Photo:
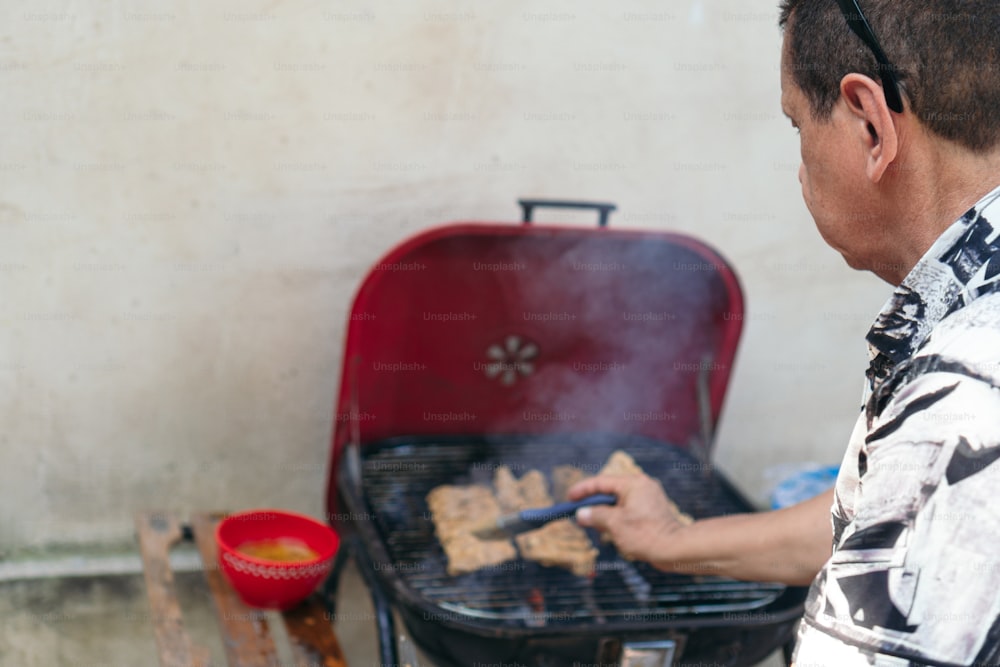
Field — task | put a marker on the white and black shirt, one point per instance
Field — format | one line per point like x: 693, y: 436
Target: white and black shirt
x: 915, y: 574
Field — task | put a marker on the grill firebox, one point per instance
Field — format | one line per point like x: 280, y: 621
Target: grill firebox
x: 479, y: 616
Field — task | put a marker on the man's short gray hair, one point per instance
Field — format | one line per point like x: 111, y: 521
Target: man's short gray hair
x: 946, y: 55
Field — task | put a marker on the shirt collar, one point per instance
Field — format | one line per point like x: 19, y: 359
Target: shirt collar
x: 953, y: 272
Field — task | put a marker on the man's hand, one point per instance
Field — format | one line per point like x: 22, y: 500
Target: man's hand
x: 641, y: 519
x: 788, y: 545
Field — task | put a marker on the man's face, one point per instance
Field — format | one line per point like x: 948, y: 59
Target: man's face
x: 832, y: 175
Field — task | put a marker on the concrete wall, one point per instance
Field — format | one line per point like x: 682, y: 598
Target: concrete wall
x: 190, y: 192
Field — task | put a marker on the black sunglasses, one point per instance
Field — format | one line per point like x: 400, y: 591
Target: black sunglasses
x: 887, y: 71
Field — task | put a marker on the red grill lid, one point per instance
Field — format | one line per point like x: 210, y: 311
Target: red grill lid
x: 480, y: 328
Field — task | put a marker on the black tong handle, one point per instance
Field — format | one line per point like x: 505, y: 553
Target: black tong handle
x: 544, y: 515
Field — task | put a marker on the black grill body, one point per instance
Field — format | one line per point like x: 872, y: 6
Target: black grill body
x: 526, y: 614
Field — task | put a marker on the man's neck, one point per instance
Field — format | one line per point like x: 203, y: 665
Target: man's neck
x: 930, y: 198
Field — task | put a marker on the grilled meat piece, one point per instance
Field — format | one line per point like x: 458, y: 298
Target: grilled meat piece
x: 560, y: 544
x: 456, y: 512
x: 620, y: 463
x: 467, y: 553
x: 563, y: 477
x: 527, y: 493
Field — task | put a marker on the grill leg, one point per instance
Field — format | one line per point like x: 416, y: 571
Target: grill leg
x: 385, y: 624
x: 788, y: 650
x: 332, y: 582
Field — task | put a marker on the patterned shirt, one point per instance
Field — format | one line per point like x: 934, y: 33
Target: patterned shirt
x: 914, y: 578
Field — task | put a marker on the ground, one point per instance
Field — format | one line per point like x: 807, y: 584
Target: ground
x: 104, y: 621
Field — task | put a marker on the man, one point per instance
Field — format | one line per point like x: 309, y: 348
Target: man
x: 899, y: 121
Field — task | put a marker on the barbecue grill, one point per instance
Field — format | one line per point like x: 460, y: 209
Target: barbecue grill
x: 476, y: 345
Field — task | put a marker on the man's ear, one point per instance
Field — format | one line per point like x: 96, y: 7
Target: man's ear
x: 875, y: 124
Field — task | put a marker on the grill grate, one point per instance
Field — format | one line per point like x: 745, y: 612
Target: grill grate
x: 397, y: 475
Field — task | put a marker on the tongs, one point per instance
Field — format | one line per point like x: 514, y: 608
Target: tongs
x: 516, y: 523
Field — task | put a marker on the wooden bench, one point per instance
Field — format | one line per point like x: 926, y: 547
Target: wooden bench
x: 245, y: 633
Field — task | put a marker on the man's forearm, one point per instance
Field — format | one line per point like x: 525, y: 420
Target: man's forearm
x: 788, y: 545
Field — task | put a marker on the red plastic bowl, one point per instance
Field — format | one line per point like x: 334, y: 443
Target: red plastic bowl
x: 272, y: 584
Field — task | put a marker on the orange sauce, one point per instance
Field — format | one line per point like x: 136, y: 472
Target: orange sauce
x: 282, y: 549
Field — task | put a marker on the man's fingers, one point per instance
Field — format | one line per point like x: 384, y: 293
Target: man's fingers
x: 613, y: 484
x: 597, y: 516
x: 582, y: 489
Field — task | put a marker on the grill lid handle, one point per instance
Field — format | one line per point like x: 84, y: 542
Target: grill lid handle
x: 529, y: 205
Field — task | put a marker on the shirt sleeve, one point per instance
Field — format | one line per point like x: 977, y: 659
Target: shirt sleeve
x: 915, y: 574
